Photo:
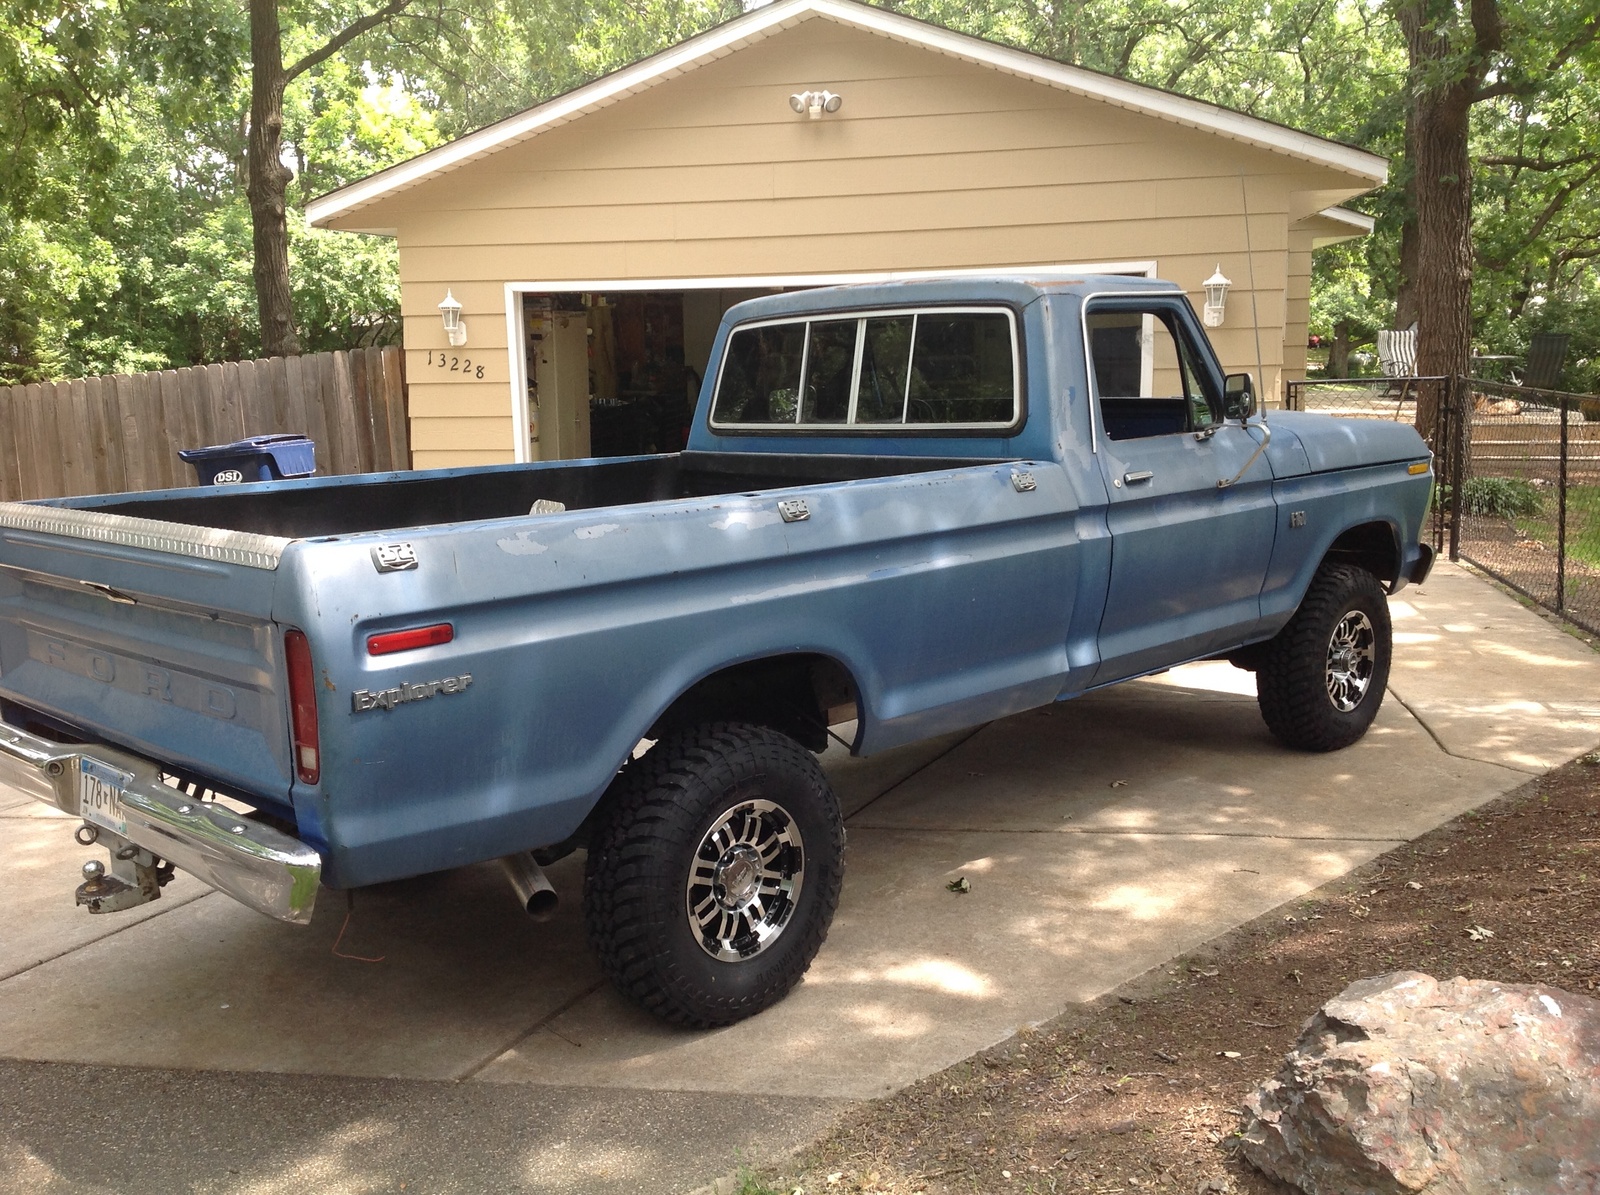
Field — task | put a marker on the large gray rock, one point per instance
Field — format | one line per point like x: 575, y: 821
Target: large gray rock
x: 1403, y: 1084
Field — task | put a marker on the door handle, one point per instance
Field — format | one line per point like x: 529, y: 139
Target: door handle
x: 1137, y: 476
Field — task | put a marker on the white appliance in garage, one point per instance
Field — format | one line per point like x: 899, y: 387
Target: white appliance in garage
x: 558, y: 383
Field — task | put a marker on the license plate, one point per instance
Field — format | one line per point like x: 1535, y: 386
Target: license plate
x: 100, y: 791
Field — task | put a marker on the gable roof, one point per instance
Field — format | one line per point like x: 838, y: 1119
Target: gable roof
x: 762, y: 22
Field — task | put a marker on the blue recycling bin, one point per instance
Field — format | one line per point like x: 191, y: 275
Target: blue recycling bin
x: 255, y: 458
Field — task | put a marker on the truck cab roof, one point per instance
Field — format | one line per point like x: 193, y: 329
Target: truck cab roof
x: 1015, y: 288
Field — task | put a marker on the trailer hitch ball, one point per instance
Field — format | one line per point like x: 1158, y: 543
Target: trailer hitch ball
x: 134, y: 878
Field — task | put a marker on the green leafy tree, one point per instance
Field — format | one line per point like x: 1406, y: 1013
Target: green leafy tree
x: 1462, y: 54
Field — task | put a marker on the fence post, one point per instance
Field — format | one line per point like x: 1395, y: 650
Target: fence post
x: 1561, y: 514
x: 1442, y: 463
x: 1457, y: 399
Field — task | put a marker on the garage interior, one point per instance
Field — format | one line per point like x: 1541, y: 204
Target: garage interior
x: 617, y: 372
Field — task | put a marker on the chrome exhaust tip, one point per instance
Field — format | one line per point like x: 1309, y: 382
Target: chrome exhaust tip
x: 532, y: 886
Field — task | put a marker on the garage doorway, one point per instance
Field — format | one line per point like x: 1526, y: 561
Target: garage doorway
x: 613, y: 368
x: 617, y: 372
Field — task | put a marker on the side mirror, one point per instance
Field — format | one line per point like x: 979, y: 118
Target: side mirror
x: 1238, y: 396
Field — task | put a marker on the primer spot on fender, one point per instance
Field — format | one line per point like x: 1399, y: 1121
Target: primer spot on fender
x: 596, y: 531
x: 748, y: 519
x: 522, y: 544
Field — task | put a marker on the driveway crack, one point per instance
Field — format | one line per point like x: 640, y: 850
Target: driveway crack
x: 1438, y: 742
x: 480, y: 1066
x: 176, y: 905
x: 959, y: 743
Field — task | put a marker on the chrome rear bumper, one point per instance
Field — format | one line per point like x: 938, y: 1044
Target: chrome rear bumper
x: 253, y: 863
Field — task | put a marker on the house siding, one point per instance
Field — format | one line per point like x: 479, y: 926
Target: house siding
x: 932, y: 163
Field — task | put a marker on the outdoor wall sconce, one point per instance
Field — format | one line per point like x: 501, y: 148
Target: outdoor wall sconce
x: 450, y: 310
x: 815, y: 103
x: 1216, y: 298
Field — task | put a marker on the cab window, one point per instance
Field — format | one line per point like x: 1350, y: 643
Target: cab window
x: 873, y: 371
x: 1147, y: 377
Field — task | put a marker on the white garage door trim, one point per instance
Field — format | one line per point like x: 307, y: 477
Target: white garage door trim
x: 516, y: 333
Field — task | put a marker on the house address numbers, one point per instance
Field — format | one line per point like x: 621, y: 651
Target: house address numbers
x: 454, y: 364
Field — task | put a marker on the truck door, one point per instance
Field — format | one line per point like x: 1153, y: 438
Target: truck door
x: 1188, y: 557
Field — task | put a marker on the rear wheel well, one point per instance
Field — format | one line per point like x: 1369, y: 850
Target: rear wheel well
x: 1372, y: 546
x: 792, y: 694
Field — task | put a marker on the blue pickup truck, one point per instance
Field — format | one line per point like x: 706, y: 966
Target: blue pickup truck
x: 903, y: 509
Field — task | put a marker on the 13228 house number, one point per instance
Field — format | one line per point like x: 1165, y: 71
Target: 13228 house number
x: 454, y: 364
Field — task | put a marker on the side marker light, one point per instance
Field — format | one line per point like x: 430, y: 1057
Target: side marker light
x: 408, y: 640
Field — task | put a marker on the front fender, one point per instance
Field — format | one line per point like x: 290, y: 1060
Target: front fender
x: 1316, y: 509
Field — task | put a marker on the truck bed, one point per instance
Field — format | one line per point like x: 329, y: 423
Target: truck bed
x: 381, y: 502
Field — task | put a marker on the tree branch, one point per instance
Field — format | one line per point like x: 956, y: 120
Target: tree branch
x: 1518, y: 162
x: 1542, y: 221
x: 1585, y: 37
x: 1582, y: 39
x: 1503, y: 87
x: 1488, y: 35
x: 344, y: 37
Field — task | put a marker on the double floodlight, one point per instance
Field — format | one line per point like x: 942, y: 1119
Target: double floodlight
x: 815, y: 103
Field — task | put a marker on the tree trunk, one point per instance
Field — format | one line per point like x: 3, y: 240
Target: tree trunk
x: 267, y: 183
x: 1339, y: 351
x: 1441, y: 187
x: 1407, y: 310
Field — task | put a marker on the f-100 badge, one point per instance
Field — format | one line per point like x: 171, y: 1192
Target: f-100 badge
x: 363, y: 700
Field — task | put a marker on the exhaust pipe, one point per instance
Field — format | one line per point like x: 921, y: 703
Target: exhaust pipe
x: 533, y: 887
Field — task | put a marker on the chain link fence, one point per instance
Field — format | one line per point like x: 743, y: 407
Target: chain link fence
x: 1529, y: 498
x: 1527, y: 507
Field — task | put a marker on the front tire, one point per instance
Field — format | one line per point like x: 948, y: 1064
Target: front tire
x: 1320, y: 682
x: 713, y: 873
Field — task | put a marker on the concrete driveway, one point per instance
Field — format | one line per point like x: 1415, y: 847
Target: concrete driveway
x: 428, y: 1032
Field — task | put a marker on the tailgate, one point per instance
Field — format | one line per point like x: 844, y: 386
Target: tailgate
x: 153, y: 636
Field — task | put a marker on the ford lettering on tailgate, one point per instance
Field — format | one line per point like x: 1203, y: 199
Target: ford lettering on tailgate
x: 200, y: 694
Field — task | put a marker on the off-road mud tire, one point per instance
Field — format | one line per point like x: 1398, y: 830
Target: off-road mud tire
x: 1292, y: 686
x: 651, y: 823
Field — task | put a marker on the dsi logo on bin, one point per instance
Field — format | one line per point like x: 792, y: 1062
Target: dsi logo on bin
x: 227, y: 477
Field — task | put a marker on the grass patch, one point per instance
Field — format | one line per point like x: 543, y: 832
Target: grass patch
x: 1583, y: 523
x: 751, y: 1183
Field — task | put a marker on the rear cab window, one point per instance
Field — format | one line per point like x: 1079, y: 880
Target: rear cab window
x: 926, y: 369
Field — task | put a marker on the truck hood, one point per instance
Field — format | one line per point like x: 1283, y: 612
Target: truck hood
x: 1306, y: 443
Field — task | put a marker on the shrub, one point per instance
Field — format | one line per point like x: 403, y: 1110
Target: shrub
x: 1499, y: 497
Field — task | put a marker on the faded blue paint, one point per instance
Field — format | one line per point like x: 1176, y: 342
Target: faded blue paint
x: 950, y: 597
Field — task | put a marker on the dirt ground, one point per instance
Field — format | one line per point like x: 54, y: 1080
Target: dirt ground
x: 1141, y: 1090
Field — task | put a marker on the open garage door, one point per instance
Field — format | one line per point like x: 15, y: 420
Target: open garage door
x: 616, y: 372
x: 614, y: 368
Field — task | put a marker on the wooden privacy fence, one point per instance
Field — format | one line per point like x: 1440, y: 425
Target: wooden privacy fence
x: 121, y: 433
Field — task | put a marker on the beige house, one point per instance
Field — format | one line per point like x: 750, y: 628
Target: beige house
x: 593, y: 242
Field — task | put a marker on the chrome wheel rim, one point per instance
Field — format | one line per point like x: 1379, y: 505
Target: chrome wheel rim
x: 744, y: 880
x: 1352, y: 658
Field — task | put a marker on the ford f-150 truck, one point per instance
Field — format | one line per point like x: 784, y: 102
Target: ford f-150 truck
x: 903, y: 509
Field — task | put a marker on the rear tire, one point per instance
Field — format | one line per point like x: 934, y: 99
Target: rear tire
x: 713, y: 874
x: 1320, y: 682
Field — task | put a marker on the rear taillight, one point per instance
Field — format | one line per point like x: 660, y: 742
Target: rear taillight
x: 303, y: 707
